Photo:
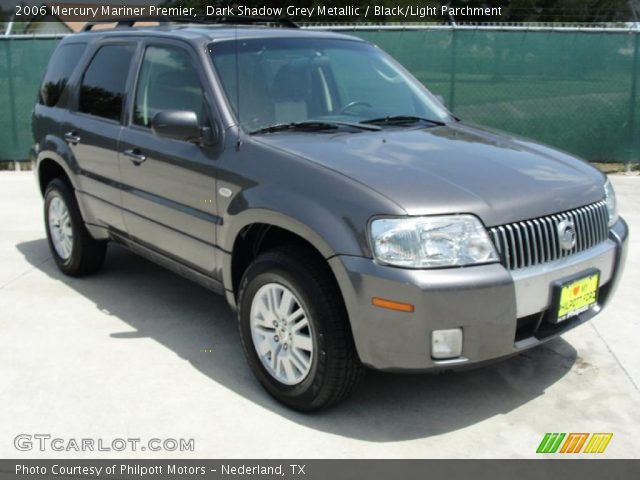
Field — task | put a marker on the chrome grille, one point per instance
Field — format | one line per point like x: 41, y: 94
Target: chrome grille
x: 531, y: 242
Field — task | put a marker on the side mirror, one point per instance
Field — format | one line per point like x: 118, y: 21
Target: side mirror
x: 177, y: 124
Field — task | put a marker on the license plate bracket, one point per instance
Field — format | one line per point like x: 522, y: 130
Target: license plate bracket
x: 575, y: 295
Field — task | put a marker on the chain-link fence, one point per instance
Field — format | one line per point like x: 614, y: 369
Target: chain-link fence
x: 573, y: 88
x: 22, y: 65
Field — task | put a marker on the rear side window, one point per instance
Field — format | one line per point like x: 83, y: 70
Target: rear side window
x: 103, y: 84
x: 61, y: 66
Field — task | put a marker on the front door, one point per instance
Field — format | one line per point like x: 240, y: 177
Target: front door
x: 169, y: 185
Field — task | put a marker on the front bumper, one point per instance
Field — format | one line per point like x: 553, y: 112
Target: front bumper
x: 501, y: 312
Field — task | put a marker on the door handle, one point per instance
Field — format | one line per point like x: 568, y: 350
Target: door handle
x: 72, y: 137
x: 135, y: 155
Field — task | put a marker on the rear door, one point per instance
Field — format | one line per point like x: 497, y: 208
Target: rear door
x: 93, y: 126
x: 169, y: 202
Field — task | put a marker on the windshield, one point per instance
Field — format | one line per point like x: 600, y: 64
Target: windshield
x: 289, y: 80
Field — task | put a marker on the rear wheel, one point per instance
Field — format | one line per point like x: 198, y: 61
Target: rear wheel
x: 74, y: 250
x: 295, y: 331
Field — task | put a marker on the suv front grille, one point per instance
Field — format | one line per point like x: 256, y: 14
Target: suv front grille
x: 531, y: 242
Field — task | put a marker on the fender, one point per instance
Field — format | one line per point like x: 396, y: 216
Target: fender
x: 300, y: 196
x: 55, y: 149
x: 338, y: 237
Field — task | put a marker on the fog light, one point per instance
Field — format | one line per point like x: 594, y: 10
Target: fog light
x: 446, y: 343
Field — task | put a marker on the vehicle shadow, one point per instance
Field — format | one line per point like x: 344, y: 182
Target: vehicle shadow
x: 188, y: 320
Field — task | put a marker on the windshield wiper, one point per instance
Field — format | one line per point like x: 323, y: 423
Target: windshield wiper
x: 312, y: 126
x: 401, y: 120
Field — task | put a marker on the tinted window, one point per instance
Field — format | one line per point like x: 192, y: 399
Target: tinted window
x: 103, y: 85
x: 61, y: 65
x: 168, y: 81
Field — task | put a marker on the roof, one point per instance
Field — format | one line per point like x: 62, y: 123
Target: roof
x: 212, y: 32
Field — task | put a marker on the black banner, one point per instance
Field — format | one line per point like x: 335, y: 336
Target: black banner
x: 321, y: 469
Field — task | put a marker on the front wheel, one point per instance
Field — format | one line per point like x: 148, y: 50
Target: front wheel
x: 295, y: 331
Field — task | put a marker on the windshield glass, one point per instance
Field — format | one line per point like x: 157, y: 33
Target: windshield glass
x: 285, y: 80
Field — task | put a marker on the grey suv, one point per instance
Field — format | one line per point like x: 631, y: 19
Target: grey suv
x: 346, y: 215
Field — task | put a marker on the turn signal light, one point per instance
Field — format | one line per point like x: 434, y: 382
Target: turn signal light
x: 391, y: 305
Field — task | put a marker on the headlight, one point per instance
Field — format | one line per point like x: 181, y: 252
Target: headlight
x: 427, y: 242
x: 612, y: 205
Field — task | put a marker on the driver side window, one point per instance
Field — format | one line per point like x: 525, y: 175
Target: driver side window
x: 167, y: 81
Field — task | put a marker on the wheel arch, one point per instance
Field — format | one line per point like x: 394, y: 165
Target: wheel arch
x: 48, y: 169
x: 261, y: 230
x: 51, y: 164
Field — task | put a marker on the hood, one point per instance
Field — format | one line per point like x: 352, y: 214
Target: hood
x: 455, y: 168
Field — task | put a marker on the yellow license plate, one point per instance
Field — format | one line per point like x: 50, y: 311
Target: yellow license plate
x: 578, y: 296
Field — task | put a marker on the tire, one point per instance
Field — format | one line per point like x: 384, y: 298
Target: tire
x: 334, y: 369
x: 77, y: 255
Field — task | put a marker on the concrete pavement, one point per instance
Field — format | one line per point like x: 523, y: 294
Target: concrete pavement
x: 138, y: 352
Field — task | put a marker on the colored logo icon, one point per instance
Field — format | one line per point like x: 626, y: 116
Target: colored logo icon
x: 574, y: 443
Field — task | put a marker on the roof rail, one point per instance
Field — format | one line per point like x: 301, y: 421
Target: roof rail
x: 128, y: 22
